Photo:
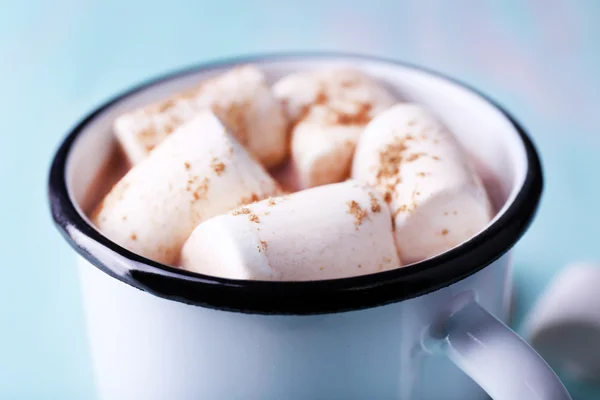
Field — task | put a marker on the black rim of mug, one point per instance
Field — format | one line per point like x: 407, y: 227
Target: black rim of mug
x: 293, y: 298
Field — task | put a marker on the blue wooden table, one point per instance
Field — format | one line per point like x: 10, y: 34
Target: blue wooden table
x: 541, y: 59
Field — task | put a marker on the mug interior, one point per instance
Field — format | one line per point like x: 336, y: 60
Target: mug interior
x: 490, y: 139
x: 499, y: 149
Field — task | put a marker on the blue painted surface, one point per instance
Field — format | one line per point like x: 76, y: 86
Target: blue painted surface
x: 59, y: 59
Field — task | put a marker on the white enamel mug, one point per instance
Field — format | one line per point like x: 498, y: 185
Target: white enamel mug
x: 431, y: 330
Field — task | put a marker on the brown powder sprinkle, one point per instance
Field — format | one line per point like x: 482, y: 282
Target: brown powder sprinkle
x: 361, y: 117
x: 146, y: 133
x: 271, y: 202
x: 349, y: 83
x: 241, y: 211
x: 387, y: 197
x: 375, y: 207
x: 124, y: 217
x: 390, y: 158
x: 254, y: 218
x: 193, y: 92
x: 358, y: 213
x: 169, y: 129
x: 446, y: 213
x: 262, y: 246
x: 321, y: 98
x: 201, y: 190
x: 415, y: 156
x: 133, y: 236
x: 321, y: 268
x: 444, y: 232
x: 413, y: 206
x: 423, y: 174
x: 391, y: 185
x: 436, y: 158
x: 401, y: 209
x: 359, y: 266
x: 217, y: 166
x: 155, y: 133
x: 190, y: 182
x: 410, y: 208
x: 249, y: 199
x: 165, y: 105
x: 187, y: 165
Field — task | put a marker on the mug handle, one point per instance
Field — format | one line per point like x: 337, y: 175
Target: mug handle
x: 494, y: 356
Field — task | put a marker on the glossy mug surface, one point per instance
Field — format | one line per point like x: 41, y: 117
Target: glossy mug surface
x: 431, y: 330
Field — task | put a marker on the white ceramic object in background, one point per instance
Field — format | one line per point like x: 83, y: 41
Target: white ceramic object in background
x: 432, y: 330
x: 564, y: 324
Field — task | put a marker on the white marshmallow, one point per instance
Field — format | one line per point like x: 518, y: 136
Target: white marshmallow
x: 329, y: 109
x: 240, y: 97
x: 436, y: 197
x: 196, y: 173
x: 332, y: 231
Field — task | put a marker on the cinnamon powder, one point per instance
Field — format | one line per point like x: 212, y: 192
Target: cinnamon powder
x: 217, y: 166
x: 358, y: 213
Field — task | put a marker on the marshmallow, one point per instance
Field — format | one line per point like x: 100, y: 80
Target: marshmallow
x: 240, y: 98
x: 437, y: 199
x: 333, y: 231
x: 196, y: 173
x: 329, y: 109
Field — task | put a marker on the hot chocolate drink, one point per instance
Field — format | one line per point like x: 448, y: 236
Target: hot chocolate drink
x: 326, y: 174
